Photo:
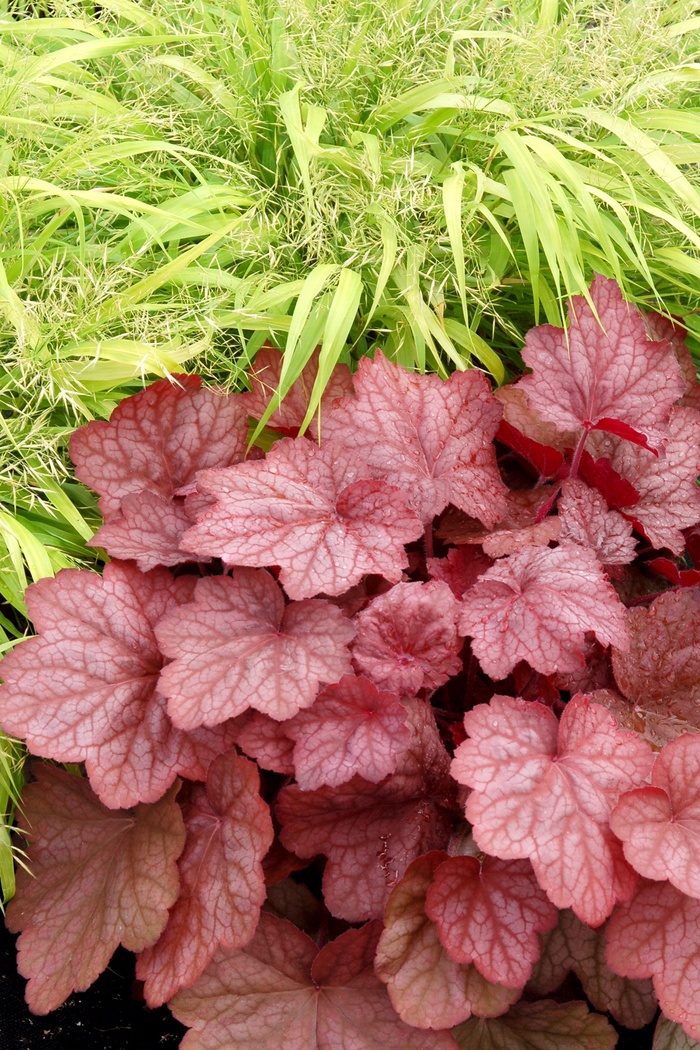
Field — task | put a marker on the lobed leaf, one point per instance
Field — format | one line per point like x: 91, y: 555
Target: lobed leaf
x: 585, y: 519
x: 544, y: 1025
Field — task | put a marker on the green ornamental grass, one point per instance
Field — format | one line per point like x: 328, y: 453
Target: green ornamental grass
x: 181, y: 181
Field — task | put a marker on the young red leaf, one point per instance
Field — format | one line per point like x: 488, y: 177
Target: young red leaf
x: 281, y: 991
x: 601, y: 475
x: 663, y: 661
x: 669, y: 498
x: 536, y: 605
x: 604, y: 373
x: 352, y: 728
x: 427, y: 988
x: 238, y: 646
x: 266, y: 740
x: 96, y: 878
x: 528, y: 434
x: 371, y: 832
x: 86, y: 689
x: 264, y: 377
x: 460, y: 569
x: 157, y: 440
x: 489, y: 913
x: 657, y: 934
x: 673, y: 573
x: 670, y: 1036
x: 573, y: 946
x: 432, y: 439
x: 660, y: 825
x: 586, y: 520
x: 148, y: 530
x: 539, y: 1026
x: 544, y: 790
x: 407, y: 639
x: 229, y: 831
x: 314, y: 512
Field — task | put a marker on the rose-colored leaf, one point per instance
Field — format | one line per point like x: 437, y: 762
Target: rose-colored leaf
x: 489, y: 913
x: 96, y: 878
x: 539, y: 1026
x: 595, y: 674
x: 672, y: 330
x: 536, y: 605
x: 266, y: 741
x: 157, y: 440
x: 427, y: 988
x: 663, y: 661
x: 460, y: 568
x: 238, y: 646
x: 352, y: 728
x: 86, y: 690
x: 528, y: 434
x: 669, y: 498
x: 432, y: 439
x: 314, y: 512
x: 586, y: 520
x: 149, y: 530
x: 657, y: 934
x: 573, y: 946
x: 280, y: 991
x: 604, y: 371
x: 264, y: 377
x: 657, y: 721
x: 229, y: 831
x: 544, y: 790
x: 371, y: 832
x: 517, y: 528
x: 660, y: 825
x: 670, y: 1036
x: 407, y: 639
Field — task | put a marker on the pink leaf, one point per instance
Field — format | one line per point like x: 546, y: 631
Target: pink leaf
x: 460, y: 569
x: 352, y: 728
x: 660, y: 825
x: 229, y: 831
x: 238, y: 646
x: 427, y: 988
x: 407, y: 639
x: 536, y: 605
x: 539, y: 1026
x: 149, y: 530
x: 157, y: 440
x: 663, y: 661
x: 86, y: 690
x: 314, y: 512
x: 657, y: 934
x: 518, y: 528
x: 264, y: 378
x: 371, y: 832
x: 96, y: 878
x: 669, y: 498
x: 267, y: 742
x: 280, y: 991
x: 573, y: 946
x: 672, y: 330
x: 544, y: 790
x: 432, y: 439
x: 586, y: 520
x: 604, y: 371
x: 489, y: 913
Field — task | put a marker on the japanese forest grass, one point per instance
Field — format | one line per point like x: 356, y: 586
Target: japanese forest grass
x: 182, y: 181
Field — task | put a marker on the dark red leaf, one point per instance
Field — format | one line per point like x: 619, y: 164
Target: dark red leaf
x: 460, y: 569
x: 600, y: 474
x: 673, y: 573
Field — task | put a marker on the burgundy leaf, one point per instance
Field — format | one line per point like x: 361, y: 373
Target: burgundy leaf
x: 407, y: 639
x: 157, y: 440
x: 604, y: 373
x: 281, y: 991
x: 238, y: 646
x: 352, y: 728
x: 287, y: 418
x: 545, y: 1025
x: 314, y: 512
x: 460, y: 569
x: 573, y: 946
x: 536, y: 605
x: 586, y: 520
x: 427, y: 988
x: 95, y: 878
x: 489, y: 913
x: 86, y: 690
x: 544, y: 790
x: 659, y: 826
x: 432, y: 439
x: 371, y: 832
x: 229, y: 831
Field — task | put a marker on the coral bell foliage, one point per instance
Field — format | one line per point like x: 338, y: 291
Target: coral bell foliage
x: 386, y: 731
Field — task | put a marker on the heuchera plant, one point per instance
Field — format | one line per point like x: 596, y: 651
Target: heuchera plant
x: 389, y: 730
